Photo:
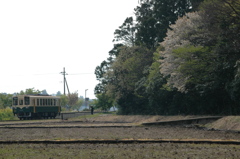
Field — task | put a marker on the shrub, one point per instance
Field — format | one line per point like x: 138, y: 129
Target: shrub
x: 6, y: 114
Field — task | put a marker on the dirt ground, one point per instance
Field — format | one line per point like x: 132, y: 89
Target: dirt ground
x: 119, y: 151
x: 225, y: 123
x: 114, y: 133
x: 118, y: 127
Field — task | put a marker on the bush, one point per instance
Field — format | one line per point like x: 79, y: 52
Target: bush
x: 6, y: 114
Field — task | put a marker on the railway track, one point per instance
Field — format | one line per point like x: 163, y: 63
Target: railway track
x: 67, y: 127
x: 124, y: 141
x: 176, y: 139
x: 52, y: 124
x: 63, y: 116
x: 56, y: 123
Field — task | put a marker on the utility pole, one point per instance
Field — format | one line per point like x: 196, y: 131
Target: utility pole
x: 64, y: 80
x: 67, y: 87
x: 85, y: 93
x: 86, y: 99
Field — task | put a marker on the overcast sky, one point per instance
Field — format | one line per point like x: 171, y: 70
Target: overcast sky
x: 38, y: 38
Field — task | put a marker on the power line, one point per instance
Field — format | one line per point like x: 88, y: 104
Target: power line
x: 43, y: 74
x: 46, y: 74
x: 80, y: 73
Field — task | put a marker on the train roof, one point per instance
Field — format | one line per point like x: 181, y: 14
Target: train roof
x: 37, y: 95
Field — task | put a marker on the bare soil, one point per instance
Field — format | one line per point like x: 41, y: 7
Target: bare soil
x: 126, y: 127
x: 226, y: 123
x: 117, y: 127
x: 120, y: 151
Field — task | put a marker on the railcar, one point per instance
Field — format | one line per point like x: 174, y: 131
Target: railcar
x: 36, y: 106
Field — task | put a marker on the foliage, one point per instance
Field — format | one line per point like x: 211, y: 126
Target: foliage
x: 195, y: 70
x: 64, y: 100
x: 6, y: 114
x: 187, y: 31
x: 5, y: 100
x: 73, y: 99
x: 101, y: 70
x: 124, y: 77
x: 58, y: 93
x: 30, y: 91
x: 71, y: 102
x: 197, y: 67
x: 103, y: 102
x: 127, y: 69
x: 199, y: 57
x: 154, y: 17
x: 78, y: 104
x: 44, y: 91
x: 126, y: 33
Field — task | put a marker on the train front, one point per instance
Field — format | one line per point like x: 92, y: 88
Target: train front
x: 21, y: 106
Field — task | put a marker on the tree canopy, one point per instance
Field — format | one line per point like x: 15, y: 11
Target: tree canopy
x: 175, y: 57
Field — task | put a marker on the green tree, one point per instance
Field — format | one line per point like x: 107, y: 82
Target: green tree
x: 224, y: 21
x: 155, y: 16
x: 103, y: 102
x: 64, y: 100
x: 127, y: 69
x: 73, y: 98
x: 44, y: 91
x: 103, y: 68
x: 5, y: 100
x: 78, y: 104
x: 126, y: 33
x: 200, y: 56
x: 124, y: 77
x: 58, y: 93
x: 187, y: 55
x: 30, y: 91
x: 71, y: 102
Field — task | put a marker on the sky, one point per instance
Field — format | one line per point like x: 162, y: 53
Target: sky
x: 38, y: 38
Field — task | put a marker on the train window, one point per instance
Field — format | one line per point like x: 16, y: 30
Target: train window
x: 27, y: 100
x: 21, y: 102
x: 54, y: 101
x: 37, y: 101
x: 41, y: 102
x: 15, y: 100
x: 51, y: 103
x: 48, y: 101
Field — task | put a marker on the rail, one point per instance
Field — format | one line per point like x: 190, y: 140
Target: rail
x: 124, y: 141
x: 65, y: 116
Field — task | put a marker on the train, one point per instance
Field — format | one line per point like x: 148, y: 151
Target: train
x: 37, y: 106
